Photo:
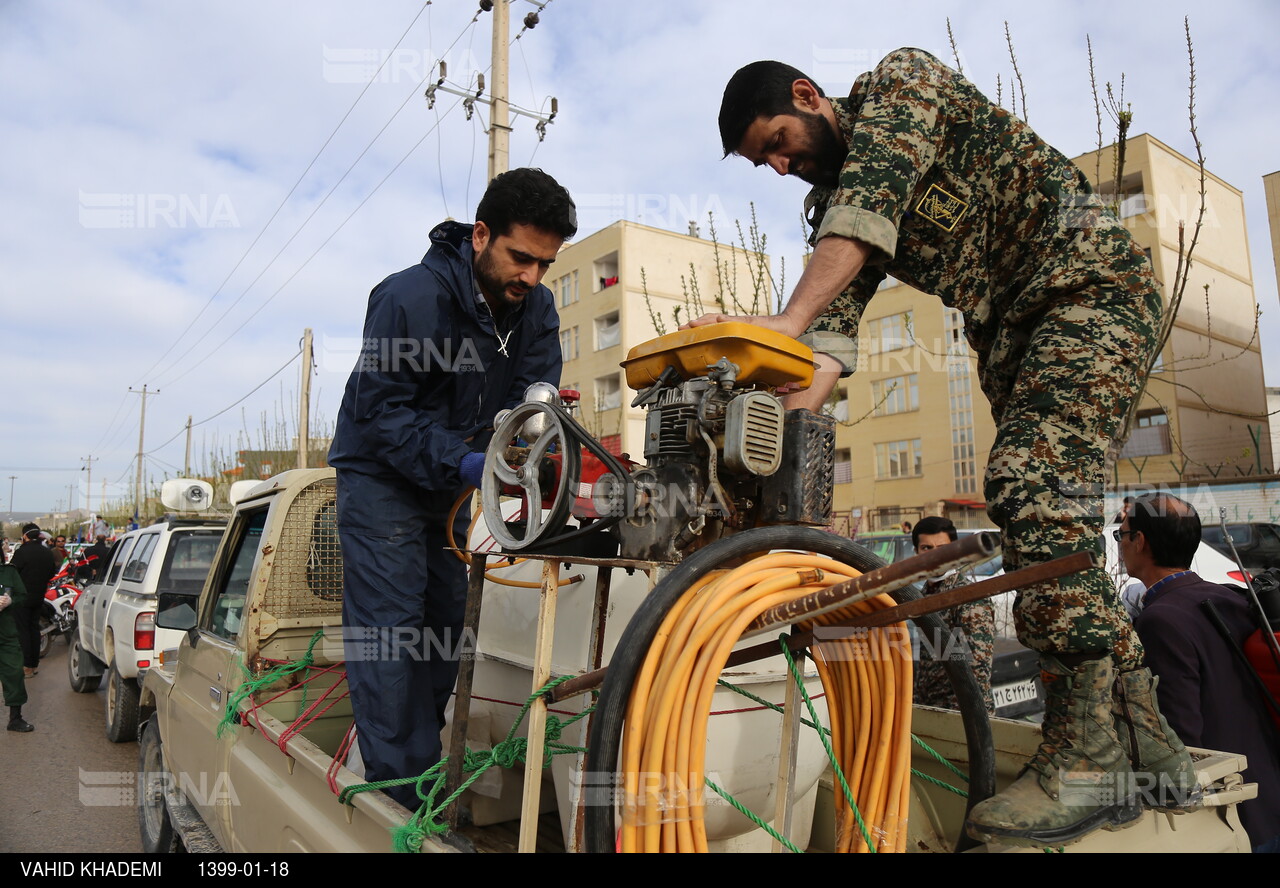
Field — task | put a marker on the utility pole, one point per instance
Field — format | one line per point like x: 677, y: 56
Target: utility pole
x: 12, y: 478
x: 499, y: 117
x: 186, y: 464
x: 500, y: 107
x: 304, y: 401
x: 88, y: 485
x: 142, y: 426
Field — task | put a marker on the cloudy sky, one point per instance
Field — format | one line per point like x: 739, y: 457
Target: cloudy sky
x: 187, y: 185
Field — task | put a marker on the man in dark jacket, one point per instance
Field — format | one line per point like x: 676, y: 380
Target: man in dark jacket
x: 35, y: 564
x: 96, y: 558
x: 12, y: 681
x: 447, y: 344
x: 1205, y: 691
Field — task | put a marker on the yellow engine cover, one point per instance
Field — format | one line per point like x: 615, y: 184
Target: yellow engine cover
x: 764, y: 357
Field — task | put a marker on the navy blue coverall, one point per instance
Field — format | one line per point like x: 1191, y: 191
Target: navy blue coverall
x: 429, y: 381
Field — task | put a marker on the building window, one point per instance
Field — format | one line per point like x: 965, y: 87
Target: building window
x: 897, y: 394
x: 608, y: 331
x: 899, y: 459
x: 567, y: 289
x: 889, y: 333
x: 608, y: 393
x: 1150, y: 435
x: 605, y: 271
x: 964, y: 465
x: 844, y: 467
x: 569, y: 344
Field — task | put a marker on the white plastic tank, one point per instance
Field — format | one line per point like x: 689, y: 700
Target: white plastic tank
x: 744, y: 738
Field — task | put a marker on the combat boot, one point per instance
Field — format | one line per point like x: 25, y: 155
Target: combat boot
x: 1164, y: 774
x: 1078, y: 780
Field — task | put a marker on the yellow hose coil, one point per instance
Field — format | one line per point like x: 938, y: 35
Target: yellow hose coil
x: 867, y: 679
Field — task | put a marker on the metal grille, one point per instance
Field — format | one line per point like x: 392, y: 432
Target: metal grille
x: 753, y: 434
x: 819, y: 471
x: 306, y: 576
x: 801, y: 491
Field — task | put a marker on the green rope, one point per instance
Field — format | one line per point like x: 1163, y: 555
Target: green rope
x: 938, y: 757
x: 252, y: 685
x: 763, y: 702
x: 827, y: 731
x: 512, y: 750
x: 826, y: 743
x: 753, y: 817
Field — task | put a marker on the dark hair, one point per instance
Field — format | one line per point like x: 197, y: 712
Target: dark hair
x: 761, y: 89
x: 1170, y: 525
x: 932, y: 524
x: 527, y: 197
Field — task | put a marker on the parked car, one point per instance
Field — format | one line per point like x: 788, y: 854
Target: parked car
x: 1257, y: 542
x: 117, y: 638
x: 1209, y: 563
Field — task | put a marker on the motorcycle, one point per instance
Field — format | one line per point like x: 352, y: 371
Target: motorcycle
x: 58, y: 610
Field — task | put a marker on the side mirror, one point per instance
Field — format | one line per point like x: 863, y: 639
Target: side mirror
x: 176, y: 610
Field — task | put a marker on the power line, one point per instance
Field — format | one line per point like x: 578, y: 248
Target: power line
x: 300, y: 228
x: 285, y: 200
x: 112, y: 423
x: 225, y: 409
x: 317, y: 250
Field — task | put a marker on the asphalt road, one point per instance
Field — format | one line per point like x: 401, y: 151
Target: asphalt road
x: 65, y: 786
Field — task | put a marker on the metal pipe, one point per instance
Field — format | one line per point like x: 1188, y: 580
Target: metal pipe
x: 1027, y: 576
x: 1036, y: 573
x: 971, y: 549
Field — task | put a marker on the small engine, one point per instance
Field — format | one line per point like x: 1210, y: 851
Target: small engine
x: 720, y: 452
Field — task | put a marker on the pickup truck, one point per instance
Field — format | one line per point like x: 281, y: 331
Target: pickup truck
x: 116, y: 636
x: 259, y: 768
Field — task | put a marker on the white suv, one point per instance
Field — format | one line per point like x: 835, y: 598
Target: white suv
x: 117, y: 636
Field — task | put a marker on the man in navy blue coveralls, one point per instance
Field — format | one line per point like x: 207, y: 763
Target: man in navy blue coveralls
x: 447, y: 344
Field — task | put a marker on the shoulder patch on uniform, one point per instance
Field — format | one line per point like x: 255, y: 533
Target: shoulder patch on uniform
x: 941, y: 208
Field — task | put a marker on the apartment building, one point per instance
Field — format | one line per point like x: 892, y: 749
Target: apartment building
x: 600, y: 284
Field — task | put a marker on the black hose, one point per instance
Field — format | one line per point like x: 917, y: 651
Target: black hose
x: 605, y: 742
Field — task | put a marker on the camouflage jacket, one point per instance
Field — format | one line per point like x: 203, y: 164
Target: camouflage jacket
x: 972, y: 635
x: 961, y: 199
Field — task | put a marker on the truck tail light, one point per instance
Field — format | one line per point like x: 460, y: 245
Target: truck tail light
x: 144, y: 631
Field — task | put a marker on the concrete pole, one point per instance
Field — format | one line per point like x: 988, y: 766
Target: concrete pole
x: 304, y: 401
x: 142, y: 426
x: 88, y: 486
x: 186, y: 464
x: 499, y: 123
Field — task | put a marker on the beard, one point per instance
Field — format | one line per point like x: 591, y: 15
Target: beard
x: 502, y: 295
x: 821, y: 164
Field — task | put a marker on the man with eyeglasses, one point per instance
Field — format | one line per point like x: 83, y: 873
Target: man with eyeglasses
x: 1205, y: 693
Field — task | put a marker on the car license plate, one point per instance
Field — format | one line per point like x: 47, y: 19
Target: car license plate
x: 1018, y: 692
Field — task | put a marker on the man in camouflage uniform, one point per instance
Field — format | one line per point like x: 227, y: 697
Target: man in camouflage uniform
x: 918, y: 175
x: 975, y: 622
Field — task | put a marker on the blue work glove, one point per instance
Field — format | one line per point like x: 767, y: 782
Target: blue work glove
x: 472, y: 469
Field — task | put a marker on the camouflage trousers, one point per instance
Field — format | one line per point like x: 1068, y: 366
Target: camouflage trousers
x: 1079, y: 372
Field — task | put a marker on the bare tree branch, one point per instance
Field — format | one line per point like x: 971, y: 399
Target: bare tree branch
x: 1008, y: 38
x: 955, y: 53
